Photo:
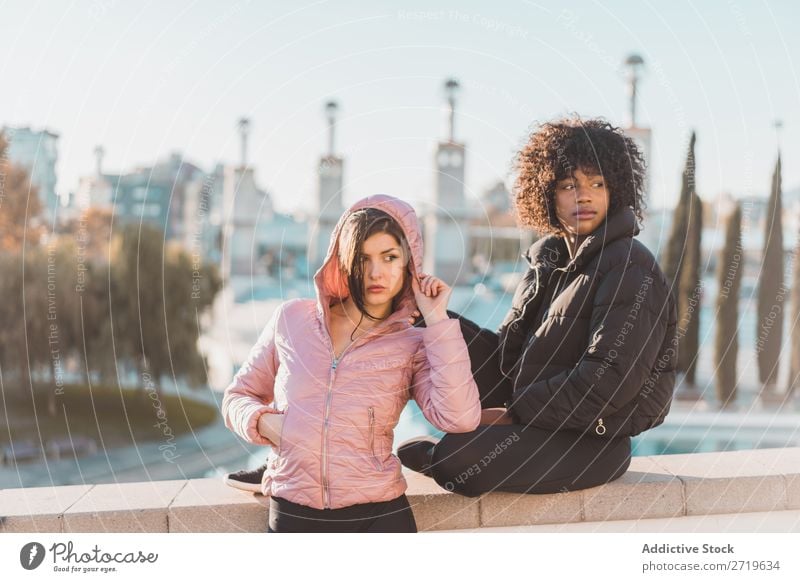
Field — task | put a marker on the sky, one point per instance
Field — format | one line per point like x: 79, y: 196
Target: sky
x: 146, y: 79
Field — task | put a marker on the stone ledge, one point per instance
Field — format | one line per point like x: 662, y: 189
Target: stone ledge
x: 656, y: 487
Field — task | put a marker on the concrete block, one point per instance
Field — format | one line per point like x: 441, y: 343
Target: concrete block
x: 208, y: 505
x: 435, y: 508
x: 646, y: 491
x: 124, y: 508
x: 37, y: 509
x: 729, y: 482
x: 511, y: 509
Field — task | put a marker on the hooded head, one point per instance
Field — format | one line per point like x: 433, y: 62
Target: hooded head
x: 342, y: 270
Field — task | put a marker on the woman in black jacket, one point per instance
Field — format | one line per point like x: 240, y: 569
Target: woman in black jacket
x: 585, y: 358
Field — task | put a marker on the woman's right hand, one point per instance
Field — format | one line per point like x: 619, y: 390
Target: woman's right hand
x: 270, y: 426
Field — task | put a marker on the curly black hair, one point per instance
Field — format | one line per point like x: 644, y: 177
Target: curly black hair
x: 556, y: 149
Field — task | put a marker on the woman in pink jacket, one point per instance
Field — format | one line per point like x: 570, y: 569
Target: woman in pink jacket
x: 328, y: 378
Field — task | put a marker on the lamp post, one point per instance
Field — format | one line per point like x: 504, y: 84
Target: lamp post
x: 244, y: 130
x: 451, y: 89
x: 331, y: 109
x: 99, y: 152
x: 634, y: 63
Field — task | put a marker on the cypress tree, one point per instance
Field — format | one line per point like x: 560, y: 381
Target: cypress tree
x: 675, y: 249
x: 690, y: 292
x: 794, y: 344
x: 729, y: 275
x: 771, y: 290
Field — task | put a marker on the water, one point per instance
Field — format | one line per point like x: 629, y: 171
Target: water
x: 707, y: 433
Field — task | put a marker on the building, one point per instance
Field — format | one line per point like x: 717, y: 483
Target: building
x: 37, y: 152
x: 642, y: 136
x: 496, y: 243
x: 446, y: 222
x: 329, y: 206
x: 203, y: 216
x: 155, y: 195
x: 259, y: 246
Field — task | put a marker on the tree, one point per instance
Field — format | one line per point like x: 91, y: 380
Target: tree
x: 29, y: 299
x: 157, y: 323
x: 729, y: 275
x: 676, y: 245
x: 189, y: 291
x: 41, y: 332
x: 13, y: 354
x: 92, y: 233
x: 690, y: 292
x: 682, y: 265
x: 136, y: 272
x: 794, y: 344
x: 771, y: 290
x: 98, y: 318
x: 64, y: 279
x: 101, y: 298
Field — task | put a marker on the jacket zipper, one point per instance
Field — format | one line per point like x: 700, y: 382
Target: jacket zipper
x: 324, y: 460
x: 326, y: 494
x: 513, y: 325
x: 372, y: 438
x: 600, y: 428
x: 564, y: 271
x: 567, y: 269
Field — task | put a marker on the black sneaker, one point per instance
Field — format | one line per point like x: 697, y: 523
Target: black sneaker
x: 246, y: 480
x: 416, y: 454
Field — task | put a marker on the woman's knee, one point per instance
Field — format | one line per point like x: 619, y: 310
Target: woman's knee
x: 609, y: 464
x: 621, y: 459
x: 454, y: 465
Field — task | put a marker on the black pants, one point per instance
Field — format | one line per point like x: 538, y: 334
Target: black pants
x: 393, y: 516
x: 517, y: 458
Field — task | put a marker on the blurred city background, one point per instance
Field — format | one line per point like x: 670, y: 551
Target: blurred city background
x: 170, y: 174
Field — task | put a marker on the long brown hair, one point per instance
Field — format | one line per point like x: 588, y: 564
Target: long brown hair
x: 358, y: 227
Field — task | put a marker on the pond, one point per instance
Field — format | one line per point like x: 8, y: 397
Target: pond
x: 683, y: 431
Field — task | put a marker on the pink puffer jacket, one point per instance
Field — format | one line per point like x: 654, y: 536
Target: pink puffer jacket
x: 336, y: 444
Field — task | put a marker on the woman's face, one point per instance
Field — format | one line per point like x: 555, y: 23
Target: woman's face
x: 384, y: 269
x: 581, y: 202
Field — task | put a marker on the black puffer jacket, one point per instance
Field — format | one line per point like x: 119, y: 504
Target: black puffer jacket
x: 590, y: 343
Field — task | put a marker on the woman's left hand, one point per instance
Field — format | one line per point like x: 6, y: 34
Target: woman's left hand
x: 432, y: 296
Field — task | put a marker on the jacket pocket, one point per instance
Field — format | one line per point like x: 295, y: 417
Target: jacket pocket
x: 375, y: 459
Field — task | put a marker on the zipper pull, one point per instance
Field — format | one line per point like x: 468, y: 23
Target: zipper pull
x: 600, y: 429
x: 334, y: 364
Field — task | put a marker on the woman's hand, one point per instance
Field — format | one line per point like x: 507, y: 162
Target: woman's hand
x: 495, y: 416
x: 432, y: 296
x: 270, y: 426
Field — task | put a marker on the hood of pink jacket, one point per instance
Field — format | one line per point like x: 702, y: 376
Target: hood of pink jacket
x: 330, y: 283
